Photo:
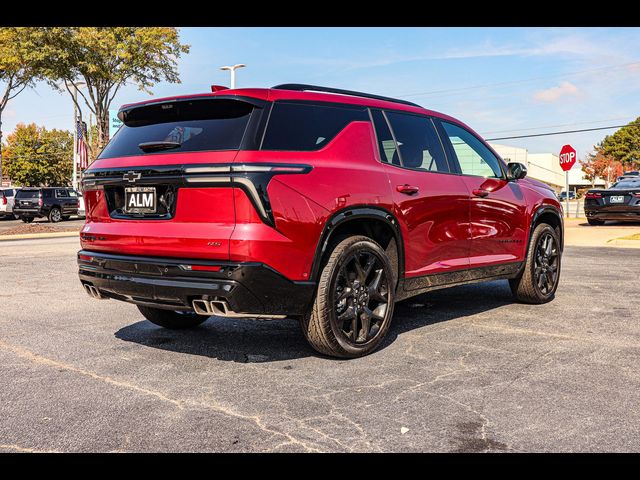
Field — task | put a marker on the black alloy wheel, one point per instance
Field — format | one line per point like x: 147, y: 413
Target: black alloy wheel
x: 546, y: 262
x: 353, y: 306
x: 361, y: 293
x: 538, y: 281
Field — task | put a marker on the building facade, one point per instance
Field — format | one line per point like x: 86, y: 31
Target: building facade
x: 545, y: 167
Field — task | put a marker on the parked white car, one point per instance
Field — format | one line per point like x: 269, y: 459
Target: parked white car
x: 81, y: 212
x: 7, y: 200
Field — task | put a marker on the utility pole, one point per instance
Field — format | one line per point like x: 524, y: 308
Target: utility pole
x: 233, y: 69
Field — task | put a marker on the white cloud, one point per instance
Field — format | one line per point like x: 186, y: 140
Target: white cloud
x: 555, y: 93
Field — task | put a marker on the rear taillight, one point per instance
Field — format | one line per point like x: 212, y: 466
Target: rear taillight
x: 637, y: 195
x: 4, y: 200
x: 593, y: 195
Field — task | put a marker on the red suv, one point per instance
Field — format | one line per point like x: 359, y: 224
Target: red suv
x: 308, y: 202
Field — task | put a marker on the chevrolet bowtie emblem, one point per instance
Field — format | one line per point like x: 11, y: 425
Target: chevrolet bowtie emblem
x: 131, y: 176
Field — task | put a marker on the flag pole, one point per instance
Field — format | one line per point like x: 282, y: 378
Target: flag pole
x: 74, y: 179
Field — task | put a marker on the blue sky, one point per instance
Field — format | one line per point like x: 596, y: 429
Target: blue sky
x: 501, y: 81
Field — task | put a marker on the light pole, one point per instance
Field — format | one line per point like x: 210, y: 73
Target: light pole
x: 74, y: 179
x: 233, y: 72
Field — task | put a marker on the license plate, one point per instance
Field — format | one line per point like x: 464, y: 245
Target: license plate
x: 140, y: 200
x: 616, y: 199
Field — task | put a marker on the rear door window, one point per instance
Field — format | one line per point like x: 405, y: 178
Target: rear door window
x: 418, y: 142
x: 307, y: 127
x: 182, y: 126
x: 61, y: 193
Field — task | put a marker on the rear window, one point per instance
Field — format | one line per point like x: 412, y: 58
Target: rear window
x: 185, y: 126
x: 28, y: 194
x: 623, y: 184
x: 305, y: 127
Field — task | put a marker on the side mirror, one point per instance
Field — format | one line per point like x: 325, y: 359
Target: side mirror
x: 516, y: 171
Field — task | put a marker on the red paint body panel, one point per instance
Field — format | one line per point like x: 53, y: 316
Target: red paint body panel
x: 434, y: 222
x: 444, y: 226
x: 498, y: 222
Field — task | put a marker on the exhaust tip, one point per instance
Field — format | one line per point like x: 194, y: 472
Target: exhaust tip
x: 93, y: 291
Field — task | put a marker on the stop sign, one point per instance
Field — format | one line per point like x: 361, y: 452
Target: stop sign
x: 567, y: 157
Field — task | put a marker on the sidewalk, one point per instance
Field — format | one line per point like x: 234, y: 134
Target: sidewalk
x: 30, y: 236
x: 580, y: 234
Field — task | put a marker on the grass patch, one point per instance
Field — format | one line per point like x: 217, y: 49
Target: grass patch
x: 635, y: 236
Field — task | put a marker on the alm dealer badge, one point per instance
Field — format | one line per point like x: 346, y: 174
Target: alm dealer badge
x: 140, y: 200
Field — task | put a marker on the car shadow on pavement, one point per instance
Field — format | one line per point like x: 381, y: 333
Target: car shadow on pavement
x: 255, y: 341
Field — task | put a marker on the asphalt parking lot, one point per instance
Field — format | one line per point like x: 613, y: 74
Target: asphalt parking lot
x: 7, y: 223
x: 463, y: 369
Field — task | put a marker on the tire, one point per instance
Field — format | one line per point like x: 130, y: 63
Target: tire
x: 27, y: 219
x: 367, y: 304
x: 54, y: 215
x: 539, y: 279
x: 170, y: 319
x: 593, y: 222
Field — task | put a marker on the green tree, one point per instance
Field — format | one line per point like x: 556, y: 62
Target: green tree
x: 20, y: 65
x: 36, y: 156
x: 105, y: 59
x: 600, y: 165
x: 624, y: 145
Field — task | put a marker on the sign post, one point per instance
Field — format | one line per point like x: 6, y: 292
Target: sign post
x: 114, y: 123
x: 567, y: 161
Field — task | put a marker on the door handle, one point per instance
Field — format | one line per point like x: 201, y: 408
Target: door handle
x: 407, y: 189
x: 480, y: 192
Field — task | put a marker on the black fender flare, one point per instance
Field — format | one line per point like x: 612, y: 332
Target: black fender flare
x: 542, y: 209
x: 354, y: 213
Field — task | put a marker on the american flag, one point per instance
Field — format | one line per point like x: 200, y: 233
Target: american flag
x: 81, y: 146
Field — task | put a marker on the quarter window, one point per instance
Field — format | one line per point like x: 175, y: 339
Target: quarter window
x: 304, y: 127
x: 386, y: 144
x: 418, y: 142
x: 473, y: 156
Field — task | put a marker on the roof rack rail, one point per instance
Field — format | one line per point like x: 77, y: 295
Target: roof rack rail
x: 301, y: 87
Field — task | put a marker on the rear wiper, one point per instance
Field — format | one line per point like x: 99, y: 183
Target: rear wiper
x: 155, y: 146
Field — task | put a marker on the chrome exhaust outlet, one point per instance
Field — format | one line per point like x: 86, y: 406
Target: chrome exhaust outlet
x: 92, y: 291
x: 221, y: 308
x: 202, y: 307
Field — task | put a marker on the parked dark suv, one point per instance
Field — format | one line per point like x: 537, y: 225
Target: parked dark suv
x: 320, y: 204
x: 55, y: 203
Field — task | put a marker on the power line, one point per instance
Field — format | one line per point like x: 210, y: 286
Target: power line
x: 556, y: 133
x: 515, y: 82
x: 557, y: 125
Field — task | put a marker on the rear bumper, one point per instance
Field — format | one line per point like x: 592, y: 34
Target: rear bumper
x: 620, y: 213
x: 248, y: 288
x: 28, y: 212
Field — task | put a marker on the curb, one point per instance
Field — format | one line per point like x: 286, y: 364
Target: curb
x: 32, y: 236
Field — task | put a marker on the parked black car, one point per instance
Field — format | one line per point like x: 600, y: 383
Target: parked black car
x: 55, y: 203
x: 621, y: 202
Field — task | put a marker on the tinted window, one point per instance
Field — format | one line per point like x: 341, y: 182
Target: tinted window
x: 386, y: 144
x: 418, y: 142
x: 73, y: 193
x: 473, y: 156
x: 303, y: 127
x: 627, y: 184
x: 60, y: 193
x: 28, y: 194
x: 198, y: 125
x: 47, y: 193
